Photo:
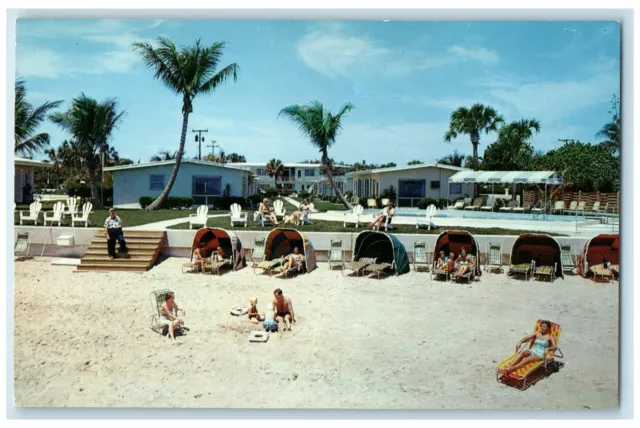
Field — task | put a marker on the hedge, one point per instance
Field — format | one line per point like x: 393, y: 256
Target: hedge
x: 439, y: 203
x: 169, y: 203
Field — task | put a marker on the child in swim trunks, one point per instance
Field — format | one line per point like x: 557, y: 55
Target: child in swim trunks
x: 269, y: 324
x: 253, y: 309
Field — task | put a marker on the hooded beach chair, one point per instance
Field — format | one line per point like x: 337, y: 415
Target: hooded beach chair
x: 84, y: 216
x: 56, y: 214
x: 336, y: 254
x: 534, y: 371
x: 237, y: 216
x: 568, y: 258
x: 200, y: 217
x: 494, y: 256
x: 421, y: 252
x: 33, y: 213
x: 285, y: 273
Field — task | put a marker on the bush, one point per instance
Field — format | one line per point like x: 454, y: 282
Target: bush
x: 170, y: 203
x: 389, y: 193
x: 223, y: 203
x: 439, y: 203
x: 363, y: 202
x: 302, y: 194
x: 348, y: 195
x: 83, y: 190
x: 145, y: 201
x: 500, y: 202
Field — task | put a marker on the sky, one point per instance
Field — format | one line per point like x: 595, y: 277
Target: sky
x: 403, y: 78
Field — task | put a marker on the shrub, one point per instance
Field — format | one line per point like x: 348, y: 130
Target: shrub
x: 171, y: 202
x: 501, y: 202
x: 27, y: 193
x: 145, y: 201
x: 348, y: 195
x: 224, y: 202
x: 389, y: 193
x: 363, y: 202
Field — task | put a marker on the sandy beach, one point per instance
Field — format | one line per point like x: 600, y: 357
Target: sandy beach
x: 84, y: 339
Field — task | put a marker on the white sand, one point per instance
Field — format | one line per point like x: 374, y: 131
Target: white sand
x: 83, y: 339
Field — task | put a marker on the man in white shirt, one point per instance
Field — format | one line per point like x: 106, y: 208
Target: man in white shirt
x: 113, y: 227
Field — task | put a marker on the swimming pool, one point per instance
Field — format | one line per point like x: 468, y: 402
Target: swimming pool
x: 414, y: 212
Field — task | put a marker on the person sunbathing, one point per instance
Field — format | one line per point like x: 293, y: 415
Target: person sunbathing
x: 253, y: 310
x: 219, y: 255
x: 199, y: 259
x: 441, y: 263
x: 169, y: 313
x: 380, y: 218
x: 544, y: 343
x: 302, y: 209
x: 464, y: 262
x: 293, y: 260
x: 266, y: 212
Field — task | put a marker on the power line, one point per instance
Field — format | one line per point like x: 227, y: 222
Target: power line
x: 213, y: 146
x: 199, y: 140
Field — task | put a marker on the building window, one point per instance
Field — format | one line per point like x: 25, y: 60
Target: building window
x: 261, y: 172
x: 156, y: 182
x: 455, y: 188
x: 309, y: 172
x: 207, y: 186
x: 410, y: 192
x: 299, y: 173
x: 435, y: 184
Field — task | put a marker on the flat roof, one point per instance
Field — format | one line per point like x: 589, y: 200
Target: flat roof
x: 532, y: 177
x: 30, y: 162
x: 173, y: 161
x: 287, y: 165
x: 409, y: 167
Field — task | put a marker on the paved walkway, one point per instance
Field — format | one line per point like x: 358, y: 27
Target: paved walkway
x: 163, y: 225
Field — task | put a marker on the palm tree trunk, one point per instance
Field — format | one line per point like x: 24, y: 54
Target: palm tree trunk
x: 329, y: 174
x: 174, y: 173
x: 94, y: 188
x: 475, y: 165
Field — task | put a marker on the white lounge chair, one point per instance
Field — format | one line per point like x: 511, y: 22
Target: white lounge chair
x: 34, y: 213
x: 353, y: 217
x: 72, y: 207
x: 258, y: 217
x: 490, y: 204
x: 200, y: 217
x: 510, y: 206
x: 579, y: 209
x: 477, y: 203
x: 427, y: 220
x: 278, y: 209
x: 457, y: 206
x: 56, y: 214
x: 305, y: 215
x: 84, y: 216
x: 237, y: 216
x: 371, y: 203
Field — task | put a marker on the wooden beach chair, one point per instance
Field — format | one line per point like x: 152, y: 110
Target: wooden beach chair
x: 378, y: 268
x: 216, y: 267
x: 285, y: 273
x: 522, y: 269
x: 200, y: 217
x: 603, y: 272
x: 353, y: 216
x: 33, y: 213
x: 358, y: 266
x: 568, y: 258
x: 336, y: 254
x: 236, y: 215
x: 257, y: 252
x: 494, y: 257
x: 192, y: 267
x: 546, y: 268
x: 435, y: 272
x: 421, y: 252
x: 468, y: 276
x: 533, y: 372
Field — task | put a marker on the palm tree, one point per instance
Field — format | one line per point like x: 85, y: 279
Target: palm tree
x: 164, y: 155
x: 454, y: 159
x: 610, y: 132
x: 234, y: 157
x: 188, y: 72
x: 90, y: 124
x: 27, y: 120
x: 275, y: 168
x: 516, y: 136
x: 56, y: 161
x: 322, y: 128
x: 472, y: 121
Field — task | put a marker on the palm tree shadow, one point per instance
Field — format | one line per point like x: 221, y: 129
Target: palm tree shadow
x: 24, y: 258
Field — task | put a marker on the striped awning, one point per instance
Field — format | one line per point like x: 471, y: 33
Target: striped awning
x: 529, y: 177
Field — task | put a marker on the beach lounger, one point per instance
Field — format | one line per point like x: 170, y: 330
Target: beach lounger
x: 477, y: 203
x: 536, y: 370
x: 494, y: 257
x: 216, y: 267
x: 435, y: 272
x: 568, y: 258
x: 358, y: 266
x: 353, y: 216
x: 336, y: 254
x: 33, y: 213
x: 23, y: 243
x: 268, y: 266
x: 200, y: 217
x: 457, y: 206
x: 490, y: 204
x: 558, y: 208
x: 257, y: 252
x: 523, y: 209
x: 468, y: 276
x: 510, y: 206
x: 237, y: 216
x: 522, y: 269
x: 158, y: 323
x: 545, y: 269
x: 421, y: 252
x: 603, y: 272
x: 192, y: 267
x: 378, y: 268
x: 572, y: 206
x: 285, y: 273
x: 427, y: 220
x: 579, y: 209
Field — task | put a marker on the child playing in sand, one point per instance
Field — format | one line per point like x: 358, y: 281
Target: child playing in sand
x: 253, y: 309
x: 442, y: 261
x: 269, y: 324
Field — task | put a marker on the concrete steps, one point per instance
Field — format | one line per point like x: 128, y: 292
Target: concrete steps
x: 144, y: 247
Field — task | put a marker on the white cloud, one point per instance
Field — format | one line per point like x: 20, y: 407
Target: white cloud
x: 333, y: 53
x: 38, y: 62
x: 477, y: 53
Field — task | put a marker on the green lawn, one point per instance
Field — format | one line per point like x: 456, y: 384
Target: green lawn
x: 336, y: 226
x: 324, y: 206
x: 129, y: 217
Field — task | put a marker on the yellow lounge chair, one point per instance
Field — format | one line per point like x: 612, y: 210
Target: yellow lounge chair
x: 536, y: 370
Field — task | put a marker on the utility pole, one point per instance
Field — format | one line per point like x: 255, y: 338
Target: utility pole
x: 199, y: 140
x: 213, y: 146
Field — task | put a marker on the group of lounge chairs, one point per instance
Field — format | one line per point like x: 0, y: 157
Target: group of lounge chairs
x: 57, y: 214
x: 557, y: 207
